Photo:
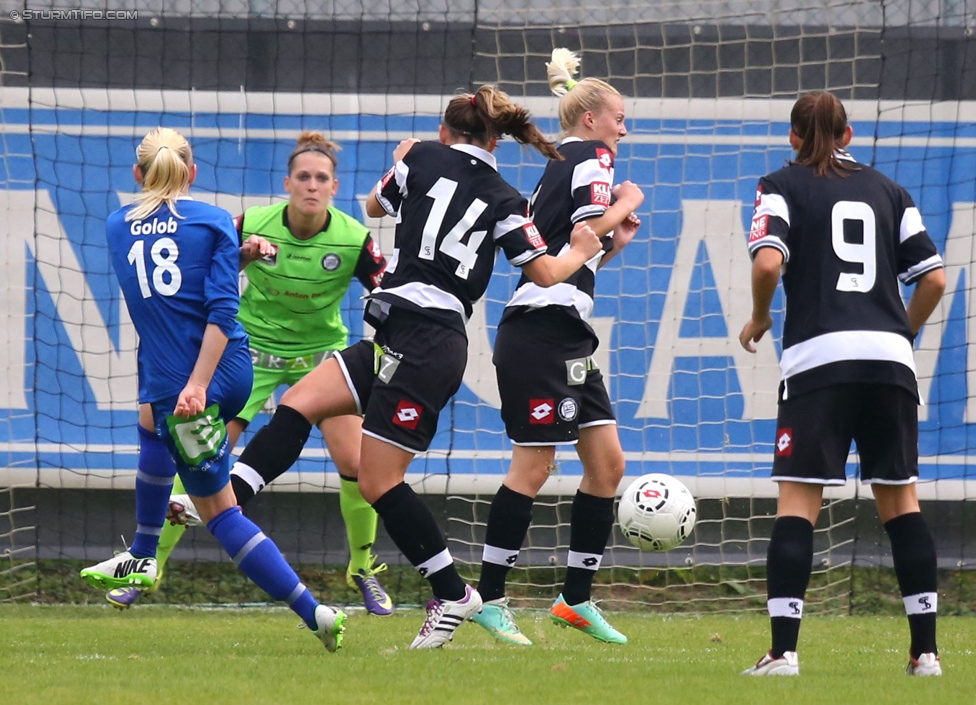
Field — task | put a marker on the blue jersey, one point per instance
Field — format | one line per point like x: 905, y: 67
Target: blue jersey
x: 177, y: 275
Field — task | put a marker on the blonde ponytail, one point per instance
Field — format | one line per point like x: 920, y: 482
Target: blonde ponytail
x: 166, y: 161
x: 577, y: 97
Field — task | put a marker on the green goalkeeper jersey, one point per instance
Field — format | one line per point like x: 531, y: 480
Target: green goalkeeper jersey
x: 291, y: 306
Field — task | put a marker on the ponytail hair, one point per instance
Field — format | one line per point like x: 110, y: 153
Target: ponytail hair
x: 315, y: 142
x: 577, y: 97
x: 166, y: 161
x: 488, y: 114
x: 819, y: 120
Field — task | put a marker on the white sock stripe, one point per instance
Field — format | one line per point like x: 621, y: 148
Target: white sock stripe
x: 149, y: 530
x: 586, y: 561
x: 143, y: 476
x: 296, y: 593
x: 785, y: 607
x: 436, y: 563
x: 251, y: 476
x: 922, y: 603
x: 499, y: 556
x: 248, y: 547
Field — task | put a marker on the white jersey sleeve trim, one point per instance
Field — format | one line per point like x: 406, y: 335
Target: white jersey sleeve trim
x: 911, y: 224
x: 773, y: 204
x: 913, y: 273
x: 846, y: 345
x: 770, y: 241
x: 512, y: 222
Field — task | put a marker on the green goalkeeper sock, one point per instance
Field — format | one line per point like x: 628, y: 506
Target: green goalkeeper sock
x: 360, y: 519
x: 172, y: 533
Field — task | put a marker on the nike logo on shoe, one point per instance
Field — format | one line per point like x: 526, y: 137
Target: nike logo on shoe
x: 136, y: 565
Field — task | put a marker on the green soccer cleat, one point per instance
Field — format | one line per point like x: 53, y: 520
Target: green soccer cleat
x: 500, y: 623
x: 331, y: 625
x: 587, y: 618
x: 121, y: 570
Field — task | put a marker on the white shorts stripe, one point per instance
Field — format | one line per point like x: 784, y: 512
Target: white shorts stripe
x: 352, y: 387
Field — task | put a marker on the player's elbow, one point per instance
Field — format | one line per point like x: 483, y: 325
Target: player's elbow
x: 373, y: 208
x: 540, y: 273
x: 934, y: 282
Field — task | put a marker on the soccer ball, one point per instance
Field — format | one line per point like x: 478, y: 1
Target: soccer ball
x: 656, y: 512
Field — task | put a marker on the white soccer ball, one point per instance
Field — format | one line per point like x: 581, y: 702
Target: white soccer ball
x: 656, y: 512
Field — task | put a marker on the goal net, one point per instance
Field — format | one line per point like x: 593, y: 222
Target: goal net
x: 708, y: 87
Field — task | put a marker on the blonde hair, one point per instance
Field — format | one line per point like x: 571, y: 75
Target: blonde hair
x: 489, y: 113
x: 166, y: 161
x: 577, y: 97
x: 315, y: 142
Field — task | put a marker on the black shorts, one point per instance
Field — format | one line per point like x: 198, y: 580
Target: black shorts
x: 814, y: 433
x: 550, y: 386
x: 404, y: 377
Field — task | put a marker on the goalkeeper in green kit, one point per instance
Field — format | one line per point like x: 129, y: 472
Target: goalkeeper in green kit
x: 290, y: 309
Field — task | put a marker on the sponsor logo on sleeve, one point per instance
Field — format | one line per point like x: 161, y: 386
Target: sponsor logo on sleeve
x: 760, y: 228
x: 541, y: 411
x: 600, y: 193
x: 407, y: 414
x: 386, y: 178
x: 784, y: 442
x: 534, y: 237
x: 759, y: 193
x: 605, y: 158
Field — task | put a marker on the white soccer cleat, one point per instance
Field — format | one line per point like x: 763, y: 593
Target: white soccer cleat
x: 331, y: 626
x: 444, y: 617
x: 924, y: 665
x: 121, y: 570
x: 182, y: 511
x: 786, y: 665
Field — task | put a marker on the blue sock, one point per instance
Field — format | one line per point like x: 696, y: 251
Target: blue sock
x: 259, y: 559
x: 154, y: 482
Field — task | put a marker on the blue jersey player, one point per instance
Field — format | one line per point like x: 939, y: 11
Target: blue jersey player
x: 177, y: 263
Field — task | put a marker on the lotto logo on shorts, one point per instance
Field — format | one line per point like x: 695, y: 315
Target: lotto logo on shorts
x: 605, y: 157
x: 784, y: 442
x: 407, y: 415
x: 760, y: 228
x: 600, y: 193
x: 541, y: 411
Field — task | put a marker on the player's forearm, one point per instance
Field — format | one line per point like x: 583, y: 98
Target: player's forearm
x: 766, y: 266
x: 928, y: 292
x: 211, y: 350
x: 373, y: 207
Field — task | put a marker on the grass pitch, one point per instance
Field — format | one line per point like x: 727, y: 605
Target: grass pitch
x: 54, y: 654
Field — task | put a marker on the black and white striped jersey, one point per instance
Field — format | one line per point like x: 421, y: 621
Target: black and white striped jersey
x: 575, y: 189
x: 452, y: 210
x: 846, y: 243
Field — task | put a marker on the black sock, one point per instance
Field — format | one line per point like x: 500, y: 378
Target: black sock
x: 508, y: 523
x: 273, y: 450
x: 590, y: 524
x: 414, y: 530
x: 913, y: 552
x: 789, y: 561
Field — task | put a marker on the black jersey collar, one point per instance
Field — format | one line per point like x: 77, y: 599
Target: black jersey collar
x: 482, y: 154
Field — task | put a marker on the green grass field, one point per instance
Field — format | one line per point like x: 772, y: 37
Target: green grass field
x: 55, y: 654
